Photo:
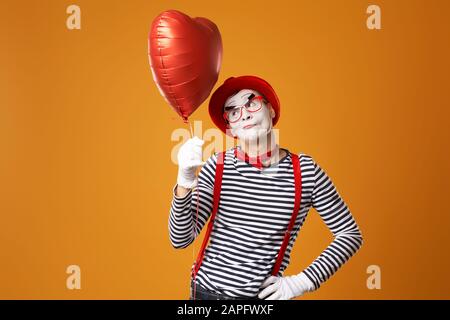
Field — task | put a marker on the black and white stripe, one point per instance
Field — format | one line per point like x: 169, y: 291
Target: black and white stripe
x: 254, y: 212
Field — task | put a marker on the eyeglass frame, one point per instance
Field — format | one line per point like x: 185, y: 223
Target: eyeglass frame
x: 241, y: 106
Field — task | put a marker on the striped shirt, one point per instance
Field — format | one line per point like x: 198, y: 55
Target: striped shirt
x: 254, y: 212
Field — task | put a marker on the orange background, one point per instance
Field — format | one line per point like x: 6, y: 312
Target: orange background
x: 85, y: 151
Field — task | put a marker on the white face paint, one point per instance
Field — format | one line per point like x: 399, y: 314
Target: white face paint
x: 251, y: 125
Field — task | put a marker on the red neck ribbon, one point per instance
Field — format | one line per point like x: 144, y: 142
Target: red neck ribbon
x: 254, y: 161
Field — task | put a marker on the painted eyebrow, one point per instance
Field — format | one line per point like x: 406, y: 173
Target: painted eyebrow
x: 250, y: 94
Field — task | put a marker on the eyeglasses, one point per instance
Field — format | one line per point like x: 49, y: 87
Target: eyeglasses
x: 252, y: 105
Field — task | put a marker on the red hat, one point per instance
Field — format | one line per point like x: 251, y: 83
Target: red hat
x: 232, y: 86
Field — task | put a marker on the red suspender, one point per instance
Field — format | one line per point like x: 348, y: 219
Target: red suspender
x: 217, y: 189
x: 298, y: 197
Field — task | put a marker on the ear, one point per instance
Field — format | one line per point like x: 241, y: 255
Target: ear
x: 271, y: 110
x: 231, y: 130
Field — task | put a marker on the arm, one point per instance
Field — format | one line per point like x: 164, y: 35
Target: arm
x: 184, y: 224
x: 347, y: 240
x: 335, y: 213
x: 181, y: 191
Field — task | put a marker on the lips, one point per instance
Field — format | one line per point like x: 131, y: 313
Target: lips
x: 249, y: 126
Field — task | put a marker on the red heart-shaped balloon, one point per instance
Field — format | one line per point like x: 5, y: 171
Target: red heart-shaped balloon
x: 185, y: 56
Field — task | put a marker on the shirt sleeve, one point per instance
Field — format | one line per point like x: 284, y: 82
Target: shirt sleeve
x: 184, y: 222
x: 336, y: 215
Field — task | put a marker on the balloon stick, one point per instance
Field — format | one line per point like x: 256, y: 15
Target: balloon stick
x: 192, y: 133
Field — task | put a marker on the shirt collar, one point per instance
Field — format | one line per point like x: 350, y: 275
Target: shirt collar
x: 254, y: 161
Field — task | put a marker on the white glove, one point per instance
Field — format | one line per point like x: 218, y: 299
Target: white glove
x: 285, y: 288
x: 189, y: 158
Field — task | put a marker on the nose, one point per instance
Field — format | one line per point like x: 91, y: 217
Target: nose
x: 246, y: 114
